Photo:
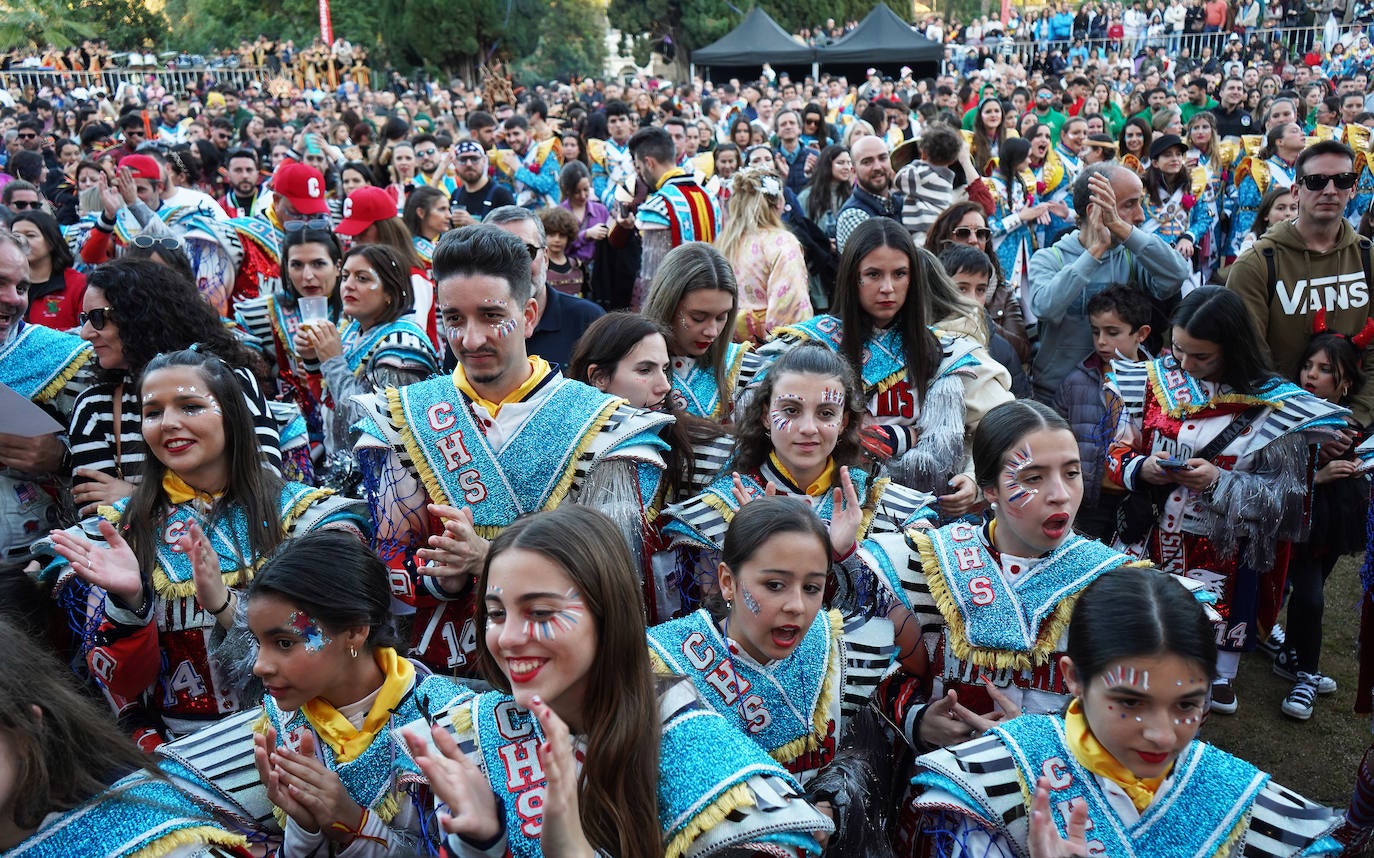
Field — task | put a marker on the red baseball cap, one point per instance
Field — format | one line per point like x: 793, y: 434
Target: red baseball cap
x: 302, y: 185
x: 363, y: 208
x: 143, y: 167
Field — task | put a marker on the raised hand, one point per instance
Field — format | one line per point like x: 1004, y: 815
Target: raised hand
x: 100, y: 489
x: 278, y: 792
x: 317, y: 789
x: 1044, y: 840
x: 211, y: 591
x: 562, y: 833
x: 846, y: 515
x: 113, y: 569
x: 457, y: 551
x: 457, y: 783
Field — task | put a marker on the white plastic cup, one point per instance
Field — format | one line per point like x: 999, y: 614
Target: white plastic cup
x: 314, y: 308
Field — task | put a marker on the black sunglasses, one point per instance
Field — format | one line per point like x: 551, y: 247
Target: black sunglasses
x: 964, y: 233
x: 97, y: 317
x: 155, y: 242
x: 533, y: 250
x: 21, y: 205
x: 318, y: 223
x: 1317, y: 181
x: 27, y: 136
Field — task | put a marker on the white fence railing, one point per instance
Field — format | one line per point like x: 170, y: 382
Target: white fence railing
x: 177, y: 81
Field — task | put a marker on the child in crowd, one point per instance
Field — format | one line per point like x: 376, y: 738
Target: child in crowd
x: 1119, y: 317
x: 971, y: 271
x: 560, y: 231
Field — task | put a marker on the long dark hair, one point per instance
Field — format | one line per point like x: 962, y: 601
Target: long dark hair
x: 1345, y: 357
x: 618, y: 785
x: 920, y: 345
x: 66, y: 749
x: 1132, y: 612
x: 982, y: 144
x: 392, y: 274
x: 938, y: 237
x: 1218, y: 316
x: 158, y: 310
x: 753, y: 442
x: 1012, y: 157
x: 61, y: 254
x: 763, y: 518
x: 333, y: 576
x: 826, y: 194
x: 250, y: 485
x: 604, y: 345
x: 1000, y: 430
x: 419, y: 203
x: 687, y: 268
x: 326, y: 238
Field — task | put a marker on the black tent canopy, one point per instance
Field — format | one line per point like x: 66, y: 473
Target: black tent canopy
x: 883, y: 40
x: 757, y: 40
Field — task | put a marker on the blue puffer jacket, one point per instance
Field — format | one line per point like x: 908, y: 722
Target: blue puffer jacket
x: 1080, y: 400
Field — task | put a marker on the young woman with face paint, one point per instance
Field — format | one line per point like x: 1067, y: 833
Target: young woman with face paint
x: 581, y: 749
x: 809, y: 671
x: 926, y: 389
x: 1213, y: 447
x: 799, y: 436
x: 377, y: 344
x: 165, y: 566
x: 1121, y: 772
x: 694, y: 296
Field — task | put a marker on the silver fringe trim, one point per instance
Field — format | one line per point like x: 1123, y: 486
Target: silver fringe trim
x: 1261, y: 507
x: 939, y: 451
x: 612, y: 487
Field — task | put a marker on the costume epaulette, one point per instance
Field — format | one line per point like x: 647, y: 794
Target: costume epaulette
x: 1132, y: 163
x: 704, y: 164
x: 1198, y: 176
x: 1323, y: 132
x: 1227, y: 152
x: 988, y: 764
x: 968, y: 136
x: 596, y: 151
x: 1053, y: 172
x: 1132, y: 381
x: 1356, y: 137
x: 215, y: 765
x: 260, y: 232
x: 544, y: 147
x: 1252, y: 143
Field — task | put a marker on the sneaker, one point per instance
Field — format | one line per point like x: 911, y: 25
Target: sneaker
x: 1298, y: 703
x: 1224, y: 698
x: 1286, y: 666
x: 1274, y: 644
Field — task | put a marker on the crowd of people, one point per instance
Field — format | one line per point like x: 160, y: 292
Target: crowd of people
x: 767, y: 467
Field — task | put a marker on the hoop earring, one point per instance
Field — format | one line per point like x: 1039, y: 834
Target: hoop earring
x: 353, y: 652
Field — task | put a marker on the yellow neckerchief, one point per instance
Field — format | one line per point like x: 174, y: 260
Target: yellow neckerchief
x: 671, y: 174
x: 1100, y: 761
x: 822, y: 484
x: 179, y: 492
x: 273, y: 219
x: 538, y: 369
x: 336, y: 730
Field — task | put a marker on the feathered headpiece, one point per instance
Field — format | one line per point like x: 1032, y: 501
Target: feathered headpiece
x: 1360, y: 340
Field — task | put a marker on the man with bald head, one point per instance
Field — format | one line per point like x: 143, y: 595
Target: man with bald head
x: 1108, y: 248
x: 873, y: 195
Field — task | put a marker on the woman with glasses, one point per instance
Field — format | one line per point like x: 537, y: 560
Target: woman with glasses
x: 55, y: 286
x: 133, y: 310
x: 965, y: 223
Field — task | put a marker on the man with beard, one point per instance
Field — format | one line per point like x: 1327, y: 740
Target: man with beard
x: 244, y: 179
x: 873, y: 195
x: 531, y: 169
x: 432, y: 165
x: 459, y: 457
x: 479, y: 194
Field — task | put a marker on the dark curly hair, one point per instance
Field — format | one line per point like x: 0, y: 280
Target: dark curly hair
x: 754, y: 441
x: 158, y: 310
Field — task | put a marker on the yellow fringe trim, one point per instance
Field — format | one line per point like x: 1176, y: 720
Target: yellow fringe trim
x: 436, y: 491
x: 726, y: 511
x: 956, y: 632
x: 734, y: 798
x: 820, y: 716
x: 1241, y: 827
x: 1184, y: 411
x: 875, y: 493
x: 59, y: 381
x: 385, y: 809
x: 413, y: 447
x: 656, y: 664
x: 462, y: 719
x: 169, y: 589
x: 884, y: 385
x: 203, y: 834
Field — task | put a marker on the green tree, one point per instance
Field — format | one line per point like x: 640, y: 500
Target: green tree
x: 123, y: 23
x: 572, y: 41
x: 40, y: 23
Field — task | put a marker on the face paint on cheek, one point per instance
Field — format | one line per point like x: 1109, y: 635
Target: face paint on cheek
x: 309, y: 631
x: 749, y: 601
x: 1018, y: 495
x: 780, y: 420
x: 505, y: 327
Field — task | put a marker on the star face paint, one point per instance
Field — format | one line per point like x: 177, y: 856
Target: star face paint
x: 559, y: 621
x: 1018, y: 495
x: 307, y: 628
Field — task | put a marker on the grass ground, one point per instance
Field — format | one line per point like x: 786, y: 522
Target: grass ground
x: 1317, y: 757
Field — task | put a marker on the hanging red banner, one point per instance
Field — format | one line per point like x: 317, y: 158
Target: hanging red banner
x: 326, y: 28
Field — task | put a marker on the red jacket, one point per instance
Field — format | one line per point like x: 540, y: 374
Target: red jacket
x: 60, y: 309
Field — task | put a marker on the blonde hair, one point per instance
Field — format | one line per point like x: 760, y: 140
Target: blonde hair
x: 754, y: 197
